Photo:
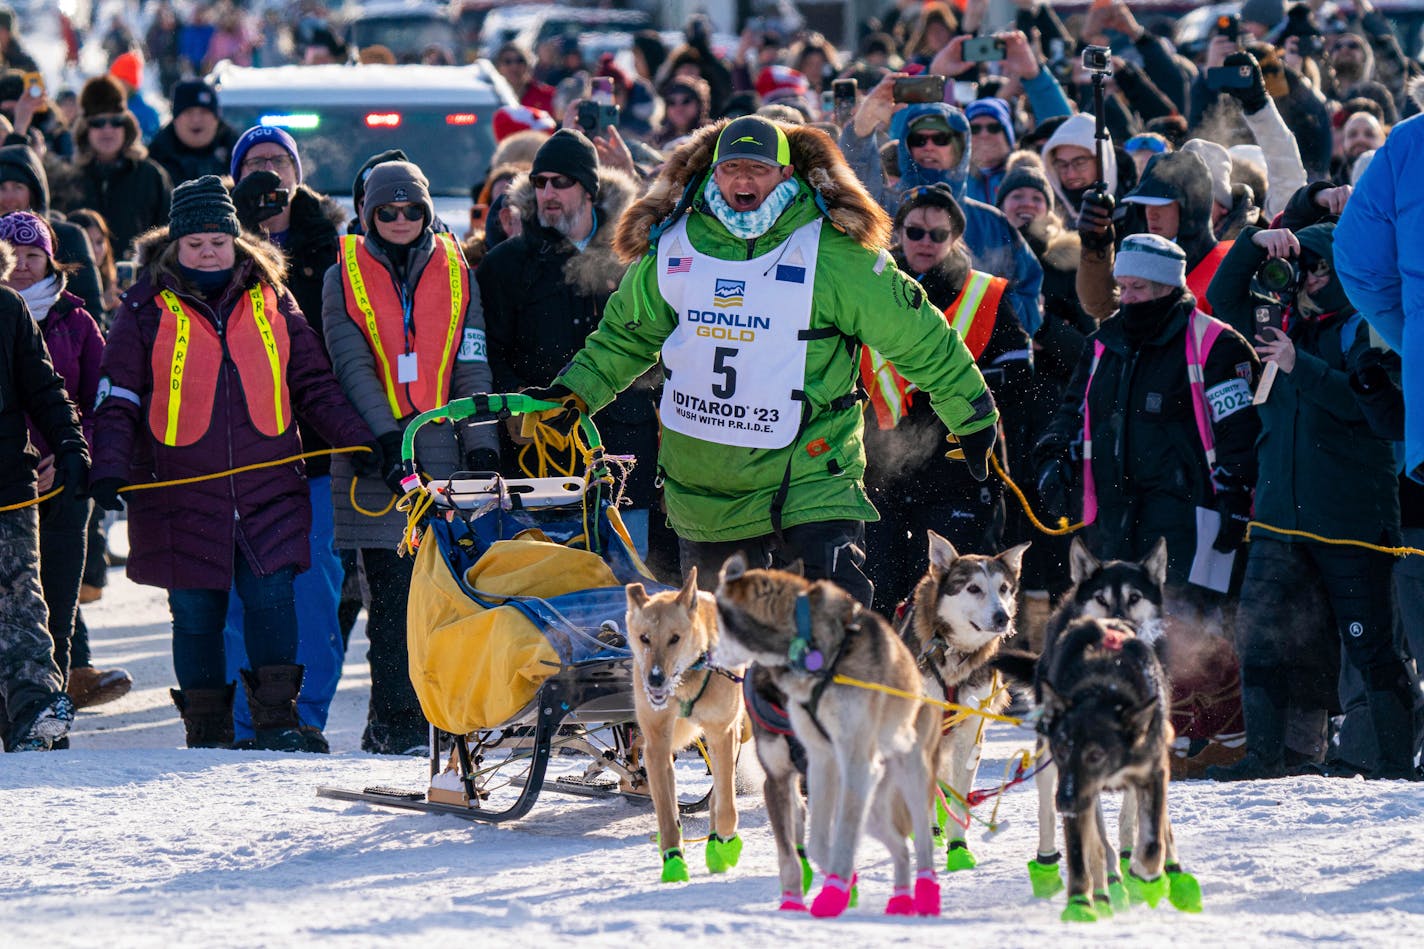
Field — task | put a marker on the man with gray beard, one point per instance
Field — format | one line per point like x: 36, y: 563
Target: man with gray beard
x: 544, y: 291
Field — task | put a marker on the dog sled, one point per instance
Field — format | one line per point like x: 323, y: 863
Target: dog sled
x: 518, y: 650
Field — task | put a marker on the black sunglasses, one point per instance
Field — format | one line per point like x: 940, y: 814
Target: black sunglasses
x: 561, y: 182
x: 921, y: 139
x: 986, y: 128
x: 107, y: 122
x: 387, y: 213
x: 939, y: 234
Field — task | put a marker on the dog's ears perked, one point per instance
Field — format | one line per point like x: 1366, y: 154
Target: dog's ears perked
x: 734, y: 567
x: 687, y: 596
x: 1081, y: 562
x: 1155, y: 563
x: 1013, y: 557
x: 942, y: 552
x: 637, y: 596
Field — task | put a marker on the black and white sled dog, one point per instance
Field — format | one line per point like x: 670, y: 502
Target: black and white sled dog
x: 960, y: 612
x: 1106, y: 718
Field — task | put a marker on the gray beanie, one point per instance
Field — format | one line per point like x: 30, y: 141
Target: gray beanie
x: 202, y: 206
x: 1152, y: 257
x: 1266, y: 12
x: 392, y: 181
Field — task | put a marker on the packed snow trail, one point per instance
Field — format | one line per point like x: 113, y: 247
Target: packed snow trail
x: 131, y: 840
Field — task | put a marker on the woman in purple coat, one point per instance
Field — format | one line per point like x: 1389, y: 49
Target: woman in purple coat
x: 208, y: 359
x: 75, y: 347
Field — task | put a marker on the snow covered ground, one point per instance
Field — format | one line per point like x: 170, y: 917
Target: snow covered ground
x: 131, y: 840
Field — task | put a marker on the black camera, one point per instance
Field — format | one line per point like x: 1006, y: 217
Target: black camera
x: 273, y: 200
x: 1097, y: 59
x: 1279, y: 275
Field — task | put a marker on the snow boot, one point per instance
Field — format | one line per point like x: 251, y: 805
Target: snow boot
x: 723, y: 852
x: 272, y: 698
x: 959, y: 857
x: 207, y: 715
x: 40, y: 726
x: 1265, y: 740
x: 89, y: 686
x: 1391, y: 701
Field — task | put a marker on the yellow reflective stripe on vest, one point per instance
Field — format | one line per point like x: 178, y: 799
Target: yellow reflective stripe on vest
x: 175, y: 371
x: 457, y: 312
x: 969, y: 299
x: 358, y: 289
x: 269, y: 343
x: 884, y: 374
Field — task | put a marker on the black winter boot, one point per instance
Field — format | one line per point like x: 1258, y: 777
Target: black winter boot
x: 272, y: 697
x: 1391, y: 701
x: 1265, y: 740
x: 207, y: 715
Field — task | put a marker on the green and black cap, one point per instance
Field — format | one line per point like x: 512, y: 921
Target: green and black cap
x: 754, y: 138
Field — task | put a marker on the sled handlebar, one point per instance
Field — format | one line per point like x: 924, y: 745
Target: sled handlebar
x: 498, y: 406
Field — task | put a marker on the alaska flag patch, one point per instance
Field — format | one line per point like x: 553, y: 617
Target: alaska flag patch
x: 789, y: 274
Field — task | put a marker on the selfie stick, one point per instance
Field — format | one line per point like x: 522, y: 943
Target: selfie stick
x: 1100, y: 130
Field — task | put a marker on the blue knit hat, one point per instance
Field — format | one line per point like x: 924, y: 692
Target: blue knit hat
x: 996, y: 109
x: 256, y: 136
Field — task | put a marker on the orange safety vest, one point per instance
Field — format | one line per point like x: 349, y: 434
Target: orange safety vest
x: 972, y: 314
x: 1200, y: 277
x: 437, y: 317
x: 187, y: 359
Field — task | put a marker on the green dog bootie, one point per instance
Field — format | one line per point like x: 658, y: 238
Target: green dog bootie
x: 807, y: 874
x: 723, y: 853
x: 1185, y: 891
x: 675, y: 867
x: 959, y: 857
x: 1102, y: 904
x: 1147, y: 891
x: 1124, y: 862
x: 1079, y: 910
x: 1044, y: 878
x: 1117, y: 893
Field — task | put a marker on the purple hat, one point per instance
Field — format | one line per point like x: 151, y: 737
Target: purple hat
x: 257, y: 135
x: 26, y: 229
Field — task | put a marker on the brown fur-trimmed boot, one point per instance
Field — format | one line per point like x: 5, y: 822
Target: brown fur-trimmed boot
x: 272, y: 697
x: 207, y: 715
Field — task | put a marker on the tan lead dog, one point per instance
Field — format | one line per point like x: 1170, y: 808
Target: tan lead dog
x: 678, y: 697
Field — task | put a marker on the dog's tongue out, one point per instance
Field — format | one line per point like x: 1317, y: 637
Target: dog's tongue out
x: 1113, y: 638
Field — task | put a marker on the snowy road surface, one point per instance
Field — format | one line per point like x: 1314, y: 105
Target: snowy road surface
x: 130, y: 840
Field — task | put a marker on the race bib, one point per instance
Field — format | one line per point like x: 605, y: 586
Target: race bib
x: 472, y: 347
x: 1228, y: 398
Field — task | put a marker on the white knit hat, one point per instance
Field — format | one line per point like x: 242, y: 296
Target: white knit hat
x: 1151, y: 257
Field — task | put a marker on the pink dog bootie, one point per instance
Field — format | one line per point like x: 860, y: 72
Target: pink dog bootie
x: 927, y: 894
x: 791, y: 902
x: 901, y: 904
x: 833, y: 898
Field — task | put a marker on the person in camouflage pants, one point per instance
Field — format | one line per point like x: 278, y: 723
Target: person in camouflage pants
x: 29, y: 677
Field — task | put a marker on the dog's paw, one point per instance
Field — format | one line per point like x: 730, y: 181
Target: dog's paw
x: 901, y: 904
x: 675, y: 867
x: 792, y: 903
x: 807, y: 874
x: 927, y: 901
x: 959, y: 857
x: 1117, y: 892
x: 1185, y: 891
x: 1045, y: 879
x: 1102, y: 904
x: 722, y: 855
x: 833, y: 898
x: 1079, y: 910
x: 1147, y: 891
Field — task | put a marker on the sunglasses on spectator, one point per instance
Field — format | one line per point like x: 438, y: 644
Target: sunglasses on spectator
x: 986, y: 128
x: 274, y: 162
x: 921, y: 139
x: 1143, y: 143
x: 1079, y: 164
x: 939, y: 234
x: 559, y: 182
x: 106, y: 122
x: 1345, y: 44
x: 388, y: 213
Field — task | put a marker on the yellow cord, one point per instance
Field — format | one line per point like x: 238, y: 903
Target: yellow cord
x: 914, y: 696
x: 1394, y: 551
x: 356, y: 506
x: 39, y: 500
x: 1063, y: 526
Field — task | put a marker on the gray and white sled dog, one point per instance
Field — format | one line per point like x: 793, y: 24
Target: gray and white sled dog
x: 870, y: 755
x: 959, y: 614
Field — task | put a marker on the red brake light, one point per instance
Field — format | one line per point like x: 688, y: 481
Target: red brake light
x: 460, y: 118
x: 388, y: 120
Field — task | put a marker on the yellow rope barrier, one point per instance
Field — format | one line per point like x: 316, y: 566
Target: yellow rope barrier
x: 39, y: 500
x: 1335, y: 541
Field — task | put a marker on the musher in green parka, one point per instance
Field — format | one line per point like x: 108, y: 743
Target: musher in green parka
x: 761, y: 272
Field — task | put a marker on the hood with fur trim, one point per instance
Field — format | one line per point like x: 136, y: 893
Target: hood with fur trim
x: 1079, y: 130
x: 265, y: 259
x: 592, y: 270
x: 817, y: 160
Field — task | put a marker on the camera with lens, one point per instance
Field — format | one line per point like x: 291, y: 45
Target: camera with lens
x: 1097, y: 59
x: 1279, y: 276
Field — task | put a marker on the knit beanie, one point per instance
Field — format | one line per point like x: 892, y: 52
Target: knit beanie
x: 257, y: 135
x: 1024, y: 174
x: 358, y: 186
x: 102, y: 95
x: 128, y: 67
x: 568, y: 152
x: 26, y: 229
x: 510, y: 119
x: 190, y: 93
x: 993, y: 108
x: 202, y: 206
x: 1151, y: 257
x: 395, y: 181
x: 1266, y: 12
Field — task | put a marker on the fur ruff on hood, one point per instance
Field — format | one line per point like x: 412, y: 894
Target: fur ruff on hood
x: 267, y: 260
x: 597, y: 269
x: 817, y: 161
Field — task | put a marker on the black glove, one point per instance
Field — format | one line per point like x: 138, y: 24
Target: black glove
x: 482, y: 459
x: 71, y: 472
x: 1371, y: 373
x: 105, y: 493
x: 1253, y: 98
x: 369, y: 464
x: 1055, y: 478
x: 247, y: 198
x: 1235, y: 510
x: 394, y: 471
x: 974, y: 450
x: 1095, y: 220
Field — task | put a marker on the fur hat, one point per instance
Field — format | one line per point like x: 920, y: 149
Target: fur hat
x: 202, y: 206
x: 102, y: 95
x: 1152, y: 257
x: 395, y: 181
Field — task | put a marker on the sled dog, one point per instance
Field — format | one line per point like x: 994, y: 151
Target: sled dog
x: 958, y: 615
x: 1105, y: 715
x: 870, y: 756
x: 678, y: 697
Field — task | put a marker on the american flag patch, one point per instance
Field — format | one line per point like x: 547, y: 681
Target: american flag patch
x: 679, y: 265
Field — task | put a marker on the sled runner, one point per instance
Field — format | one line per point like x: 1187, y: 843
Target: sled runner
x: 516, y: 632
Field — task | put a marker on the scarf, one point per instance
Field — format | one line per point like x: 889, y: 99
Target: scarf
x: 40, y: 296
x: 209, y: 283
x: 1144, y: 321
x: 749, y: 225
